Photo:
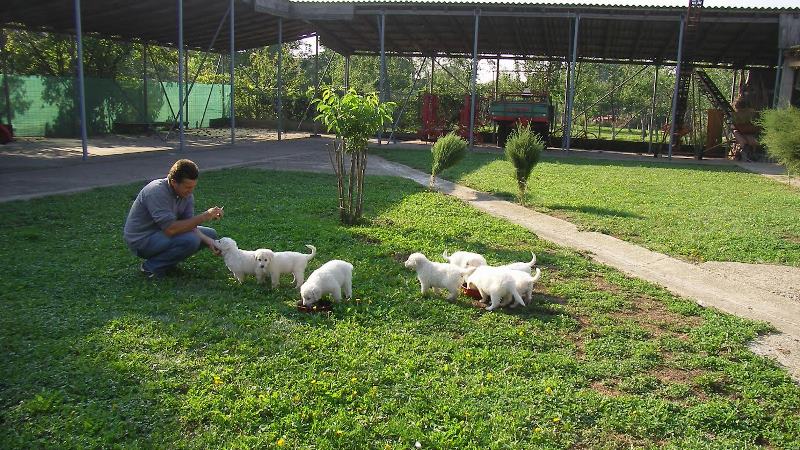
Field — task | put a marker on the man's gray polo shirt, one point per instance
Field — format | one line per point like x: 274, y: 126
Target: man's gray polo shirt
x: 154, y: 209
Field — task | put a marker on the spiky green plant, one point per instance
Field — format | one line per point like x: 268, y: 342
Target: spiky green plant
x: 523, y: 150
x: 446, y: 152
x: 781, y: 136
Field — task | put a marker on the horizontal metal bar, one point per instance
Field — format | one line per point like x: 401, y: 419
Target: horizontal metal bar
x: 658, y: 17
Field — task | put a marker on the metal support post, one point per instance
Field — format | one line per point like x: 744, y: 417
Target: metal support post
x: 653, y: 110
x: 346, y: 72
x: 734, y: 89
x: 433, y: 65
x: 6, y: 72
x: 381, y: 95
x: 280, y: 78
x: 565, y: 142
x: 180, y: 74
x: 232, y: 70
x: 675, y: 90
x: 186, y: 86
x: 497, y: 79
x: 473, y: 81
x: 316, y: 80
x: 81, y: 88
x: 778, y: 76
x: 144, y: 84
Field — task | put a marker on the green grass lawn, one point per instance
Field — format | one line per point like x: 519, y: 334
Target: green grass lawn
x: 698, y: 213
x: 94, y: 355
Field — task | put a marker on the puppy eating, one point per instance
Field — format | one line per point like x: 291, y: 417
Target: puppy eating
x: 332, y: 278
x: 498, y: 285
x: 277, y: 263
x: 438, y: 275
x: 521, y: 266
x: 240, y: 262
x: 465, y: 259
x: 524, y: 284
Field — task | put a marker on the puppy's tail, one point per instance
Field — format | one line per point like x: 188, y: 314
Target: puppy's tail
x: 537, y: 276
x: 445, y: 255
x: 313, y: 251
x: 533, y: 259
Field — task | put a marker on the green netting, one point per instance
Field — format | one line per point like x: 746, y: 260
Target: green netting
x: 47, y: 106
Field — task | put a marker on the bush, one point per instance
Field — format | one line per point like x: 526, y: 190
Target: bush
x: 447, y: 152
x: 523, y: 150
x: 781, y: 136
x: 354, y: 118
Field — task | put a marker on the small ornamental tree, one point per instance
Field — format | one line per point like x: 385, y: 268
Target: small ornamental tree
x: 354, y: 119
x: 446, y: 152
x: 523, y: 150
x: 781, y: 136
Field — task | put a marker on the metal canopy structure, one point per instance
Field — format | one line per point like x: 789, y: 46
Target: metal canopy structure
x: 727, y: 37
x: 731, y: 37
x: 568, y: 31
x: 154, y: 21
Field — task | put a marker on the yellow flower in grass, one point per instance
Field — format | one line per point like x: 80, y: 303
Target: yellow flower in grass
x: 217, y: 380
x: 548, y: 390
x: 281, y: 442
x: 537, y: 430
x: 556, y: 419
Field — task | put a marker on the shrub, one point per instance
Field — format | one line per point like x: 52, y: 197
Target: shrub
x: 354, y: 118
x: 781, y: 136
x: 523, y: 149
x: 447, y: 152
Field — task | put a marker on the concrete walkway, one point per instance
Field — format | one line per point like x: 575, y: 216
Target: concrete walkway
x: 41, y: 176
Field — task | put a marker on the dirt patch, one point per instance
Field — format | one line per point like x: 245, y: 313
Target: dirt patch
x: 783, y: 281
x: 605, y: 388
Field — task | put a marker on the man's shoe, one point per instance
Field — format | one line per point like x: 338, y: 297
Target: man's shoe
x: 147, y: 273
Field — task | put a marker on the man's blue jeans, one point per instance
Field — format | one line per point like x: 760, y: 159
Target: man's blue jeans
x: 162, y: 252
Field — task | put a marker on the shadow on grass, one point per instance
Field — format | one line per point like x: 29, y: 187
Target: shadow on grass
x: 595, y: 211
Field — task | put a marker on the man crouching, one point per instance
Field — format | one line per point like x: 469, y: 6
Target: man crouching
x: 161, y: 226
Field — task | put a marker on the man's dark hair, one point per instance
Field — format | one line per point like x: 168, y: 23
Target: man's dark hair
x: 183, y: 169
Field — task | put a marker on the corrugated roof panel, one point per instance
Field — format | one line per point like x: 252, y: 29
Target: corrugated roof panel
x: 714, y: 4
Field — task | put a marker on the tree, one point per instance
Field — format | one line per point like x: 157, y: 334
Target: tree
x: 523, y: 149
x: 781, y: 136
x: 354, y: 119
x: 446, y: 152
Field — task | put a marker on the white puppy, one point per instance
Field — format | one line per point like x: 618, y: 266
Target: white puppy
x: 524, y: 284
x: 240, y: 262
x: 495, y: 284
x: 465, y: 259
x: 522, y: 266
x: 333, y: 277
x: 277, y: 263
x: 438, y: 275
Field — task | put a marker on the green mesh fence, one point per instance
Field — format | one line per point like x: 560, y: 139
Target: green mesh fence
x: 48, y: 106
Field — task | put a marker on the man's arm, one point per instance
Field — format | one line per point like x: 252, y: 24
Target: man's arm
x: 182, y: 226
x: 208, y: 242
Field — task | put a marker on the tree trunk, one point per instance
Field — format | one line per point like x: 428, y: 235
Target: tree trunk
x: 362, y: 169
x: 350, y: 189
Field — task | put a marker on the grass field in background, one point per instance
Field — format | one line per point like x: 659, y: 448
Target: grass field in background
x: 95, y: 355
x: 695, y: 212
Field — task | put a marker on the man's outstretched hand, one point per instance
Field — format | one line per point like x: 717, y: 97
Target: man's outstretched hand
x: 215, y: 213
x: 213, y: 248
